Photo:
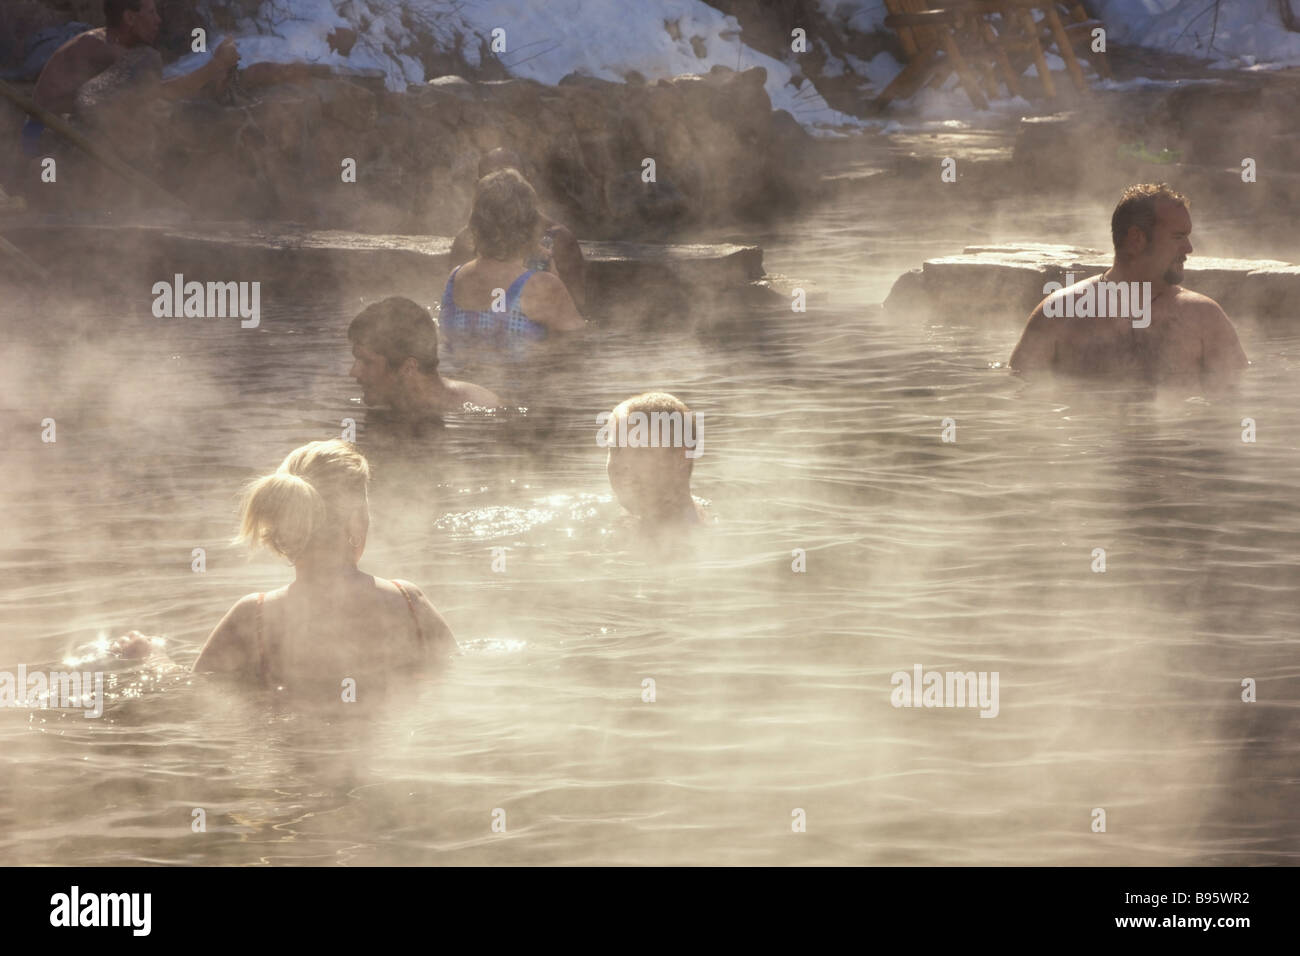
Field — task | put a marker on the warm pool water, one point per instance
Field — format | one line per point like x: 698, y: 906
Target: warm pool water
x: 1119, y: 691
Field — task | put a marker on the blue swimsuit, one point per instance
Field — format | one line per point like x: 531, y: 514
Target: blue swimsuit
x: 508, y: 333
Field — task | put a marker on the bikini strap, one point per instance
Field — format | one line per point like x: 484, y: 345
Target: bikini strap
x: 410, y: 605
x: 449, y: 294
x: 516, y: 290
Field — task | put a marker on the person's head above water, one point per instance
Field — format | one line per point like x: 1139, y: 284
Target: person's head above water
x: 1151, y: 228
x: 395, y: 344
x: 395, y: 347
x: 313, y: 508
x: 334, y: 619
x: 499, y: 159
x: 653, y: 439
x: 132, y: 22
x: 505, y: 221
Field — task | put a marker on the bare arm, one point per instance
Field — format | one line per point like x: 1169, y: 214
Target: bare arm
x: 569, y: 265
x: 462, y: 249
x: 229, y: 646
x: 547, y: 301
x: 223, y: 60
x: 437, y: 634
x: 1037, y: 347
x: 1222, y: 357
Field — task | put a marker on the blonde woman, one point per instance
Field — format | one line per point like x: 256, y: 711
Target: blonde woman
x: 334, y: 621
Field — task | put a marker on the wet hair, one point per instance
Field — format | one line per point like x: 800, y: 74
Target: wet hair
x: 1137, y: 207
x: 398, y: 329
x: 505, y: 217
x: 114, y: 10
x: 651, y: 402
x: 304, y: 506
x: 499, y: 158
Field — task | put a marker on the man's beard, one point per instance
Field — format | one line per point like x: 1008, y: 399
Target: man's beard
x: 1174, y: 274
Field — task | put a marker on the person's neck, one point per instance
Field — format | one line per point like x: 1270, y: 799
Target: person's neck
x: 1121, y: 271
x: 511, y: 261
x: 428, y: 396
x: 313, y: 571
x: 118, y: 36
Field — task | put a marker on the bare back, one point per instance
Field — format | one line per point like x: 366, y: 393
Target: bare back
x: 82, y: 58
x: 1189, y: 341
x: 359, y: 627
x: 545, y: 300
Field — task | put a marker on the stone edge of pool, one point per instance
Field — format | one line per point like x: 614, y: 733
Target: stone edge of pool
x: 1005, y: 281
x: 642, y: 279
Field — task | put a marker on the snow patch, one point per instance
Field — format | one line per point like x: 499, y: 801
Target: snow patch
x: 1236, y: 33
x: 604, y: 39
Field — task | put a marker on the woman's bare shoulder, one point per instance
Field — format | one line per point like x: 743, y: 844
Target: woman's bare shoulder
x: 232, y: 641
x: 546, y: 300
x: 432, y: 624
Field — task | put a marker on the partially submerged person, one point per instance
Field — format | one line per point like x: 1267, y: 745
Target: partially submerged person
x: 1165, y: 334
x: 494, y: 302
x: 395, y: 347
x: 117, y: 61
x: 653, y: 440
x: 557, y: 249
x: 334, y: 621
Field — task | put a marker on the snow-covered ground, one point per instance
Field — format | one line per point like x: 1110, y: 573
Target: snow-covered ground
x: 547, y: 39
x: 544, y: 40
x: 1230, y: 34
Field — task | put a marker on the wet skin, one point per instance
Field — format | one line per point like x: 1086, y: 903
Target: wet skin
x: 1190, y: 340
x: 566, y: 258
x: 87, y: 55
x: 409, y: 391
x: 654, y: 484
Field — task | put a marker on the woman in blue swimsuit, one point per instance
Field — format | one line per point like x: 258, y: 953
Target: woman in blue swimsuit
x: 494, y: 303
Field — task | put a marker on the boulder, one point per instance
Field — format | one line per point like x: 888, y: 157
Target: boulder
x: 1005, y: 282
x: 720, y: 151
x: 346, y: 103
x: 1272, y: 292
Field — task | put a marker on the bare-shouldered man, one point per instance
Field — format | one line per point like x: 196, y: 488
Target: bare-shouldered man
x: 1134, y: 320
x: 395, y: 347
x: 129, y: 24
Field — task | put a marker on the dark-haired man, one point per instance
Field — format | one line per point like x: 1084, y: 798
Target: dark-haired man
x: 395, y: 347
x: 122, y: 44
x: 557, y: 250
x: 1134, y: 319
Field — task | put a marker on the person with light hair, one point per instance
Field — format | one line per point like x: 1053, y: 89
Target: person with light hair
x: 557, y: 250
x: 496, y: 303
x: 653, y: 440
x: 334, y: 621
